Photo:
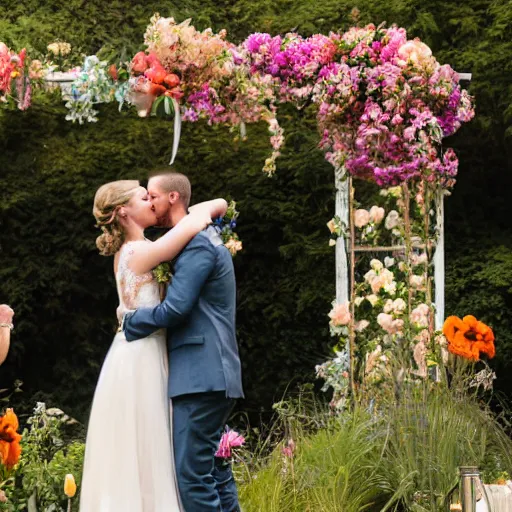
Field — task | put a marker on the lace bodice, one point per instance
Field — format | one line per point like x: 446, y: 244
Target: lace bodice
x: 135, y: 291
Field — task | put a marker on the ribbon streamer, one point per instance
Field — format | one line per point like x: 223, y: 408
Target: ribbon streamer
x: 177, y: 127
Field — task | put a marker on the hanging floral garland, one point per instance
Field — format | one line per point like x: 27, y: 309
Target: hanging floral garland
x: 383, y: 102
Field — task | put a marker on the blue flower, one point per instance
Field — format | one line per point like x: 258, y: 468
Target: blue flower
x: 232, y: 224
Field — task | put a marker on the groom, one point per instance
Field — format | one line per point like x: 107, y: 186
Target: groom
x: 204, y: 367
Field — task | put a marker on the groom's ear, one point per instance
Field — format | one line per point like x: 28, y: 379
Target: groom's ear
x: 174, y: 197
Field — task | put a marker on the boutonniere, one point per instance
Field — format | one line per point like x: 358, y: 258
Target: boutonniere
x: 162, y: 273
x: 227, y: 224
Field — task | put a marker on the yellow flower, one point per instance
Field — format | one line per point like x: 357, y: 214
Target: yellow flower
x: 69, y: 486
x: 233, y: 246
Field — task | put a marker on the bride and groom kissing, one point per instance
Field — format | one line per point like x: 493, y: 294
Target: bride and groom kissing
x: 172, y: 373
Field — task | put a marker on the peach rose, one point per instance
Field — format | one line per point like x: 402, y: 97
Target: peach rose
x: 340, y: 314
x: 399, y: 306
x: 35, y: 70
x: 420, y: 314
x: 370, y: 276
x: 382, y: 280
x: 361, y: 325
x: 112, y: 71
x: 385, y: 320
x: 361, y: 218
x: 390, y: 325
x: 419, y: 259
x: 388, y: 306
x: 416, y: 52
x: 331, y: 225
x: 377, y: 214
x: 233, y: 246
x: 416, y: 281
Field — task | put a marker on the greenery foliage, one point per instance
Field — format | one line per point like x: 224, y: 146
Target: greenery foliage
x: 386, y: 455
x: 52, y: 446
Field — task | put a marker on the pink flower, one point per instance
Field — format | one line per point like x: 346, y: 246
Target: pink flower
x: 377, y: 214
x: 419, y: 259
x: 361, y: 325
x: 230, y: 439
x: 390, y: 325
x: 420, y: 314
x: 416, y: 281
x: 340, y: 315
x: 361, y: 218
x: 385, y: 320
x: 139, y: 63
x: 289, y: 448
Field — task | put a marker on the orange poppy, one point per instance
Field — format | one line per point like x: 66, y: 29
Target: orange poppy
x: 469, y: 337
x: 10, y: 448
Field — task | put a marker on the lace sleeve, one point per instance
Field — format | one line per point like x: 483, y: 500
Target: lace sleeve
x: 130, y: 283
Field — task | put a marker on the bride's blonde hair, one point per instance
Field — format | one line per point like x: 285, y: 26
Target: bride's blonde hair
x: 107, y: 201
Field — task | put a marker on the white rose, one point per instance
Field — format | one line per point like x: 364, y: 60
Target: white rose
x: 392, y: 219
x: 376, y: 265
x: 390, y: 288
x: 389, y: 262
x: 372, y: 299
x: 370, y: 276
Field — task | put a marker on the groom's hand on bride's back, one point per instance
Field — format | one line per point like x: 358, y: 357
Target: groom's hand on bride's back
x: 122, y: 315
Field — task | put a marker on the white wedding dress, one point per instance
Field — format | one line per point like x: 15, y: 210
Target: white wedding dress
x: 128, y: 463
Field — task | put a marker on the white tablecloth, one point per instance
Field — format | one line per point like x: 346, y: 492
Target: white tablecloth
x: 500, y: 498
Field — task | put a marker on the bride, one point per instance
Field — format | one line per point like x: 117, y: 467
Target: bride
x: 128, y: 463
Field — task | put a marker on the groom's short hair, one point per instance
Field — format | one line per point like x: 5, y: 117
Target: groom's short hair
x: 172, y: 181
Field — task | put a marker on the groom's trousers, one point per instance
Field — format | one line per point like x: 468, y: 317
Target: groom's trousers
x: 198, y: 421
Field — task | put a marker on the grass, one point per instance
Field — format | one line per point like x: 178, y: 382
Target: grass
x: 402, y: 456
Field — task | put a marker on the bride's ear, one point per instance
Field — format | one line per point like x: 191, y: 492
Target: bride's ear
x: 122, y: 213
